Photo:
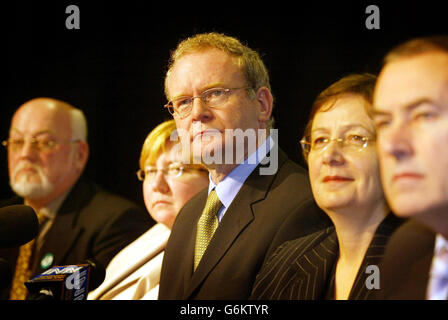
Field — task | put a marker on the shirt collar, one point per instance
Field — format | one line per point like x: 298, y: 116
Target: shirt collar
x: 441, y: 243
x: 232, y: 183
x: 50, y: 210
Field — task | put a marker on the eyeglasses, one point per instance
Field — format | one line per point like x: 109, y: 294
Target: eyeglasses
x: 41, y: 145
x: 351, y: 142
x: 213, y: 97
x: 172, y: 172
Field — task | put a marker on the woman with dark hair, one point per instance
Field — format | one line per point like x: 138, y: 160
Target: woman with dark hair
x: 339, y: 147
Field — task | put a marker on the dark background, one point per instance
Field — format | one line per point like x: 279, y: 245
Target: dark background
x: 113, y: 67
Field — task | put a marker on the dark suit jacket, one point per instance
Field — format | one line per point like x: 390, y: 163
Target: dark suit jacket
x: 235, y: 254
x: 91, y: 223
x: 304, y: 268
x: 406, y: 264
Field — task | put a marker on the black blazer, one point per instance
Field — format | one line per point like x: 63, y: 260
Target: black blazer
x: 304, y: 268
x: 235, y: 254
x: 406, y: 264
x: 91, y: 223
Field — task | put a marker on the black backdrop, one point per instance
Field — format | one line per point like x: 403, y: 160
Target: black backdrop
x: 113, y: 67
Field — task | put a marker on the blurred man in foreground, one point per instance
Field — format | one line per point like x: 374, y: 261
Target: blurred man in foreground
x: 411, y: 119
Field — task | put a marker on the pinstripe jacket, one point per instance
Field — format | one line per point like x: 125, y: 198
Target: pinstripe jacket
x: 304, y: 268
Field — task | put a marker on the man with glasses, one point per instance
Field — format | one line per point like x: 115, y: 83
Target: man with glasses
x: 411, y: 119
x: 219, y: 94
x: 47, y: 153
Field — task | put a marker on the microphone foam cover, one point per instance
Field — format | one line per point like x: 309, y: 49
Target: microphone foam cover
x: 18, y: 225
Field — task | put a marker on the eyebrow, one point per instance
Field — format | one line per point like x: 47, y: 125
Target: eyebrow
x: 207, y: 87
x: 408, y: 107
x: 170, y: 164
x: 46, y: 131
x: 347, y: 127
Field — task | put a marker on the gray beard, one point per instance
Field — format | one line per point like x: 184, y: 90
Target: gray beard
x: 31, y: 190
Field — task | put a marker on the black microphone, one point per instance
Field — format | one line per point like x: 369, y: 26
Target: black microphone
x: 5, y: 274
x: 72, y: 282
x: 18, y: 225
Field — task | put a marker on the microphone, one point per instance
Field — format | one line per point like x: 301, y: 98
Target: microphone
x: 18, y: 225
x: 5, y: 274
x: 72, y: 282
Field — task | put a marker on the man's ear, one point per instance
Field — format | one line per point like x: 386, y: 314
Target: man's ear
x: 81, y: 155
x: 266, y: 102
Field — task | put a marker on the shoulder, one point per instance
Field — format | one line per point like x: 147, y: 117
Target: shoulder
x: 93, y: 204
x: 306, y: 219
x: 286, y: 188
x: 292, y: 269
x: 286, y: 256
x: 406, y: 262
x: 290, y: 171
x: 297, y: 247
x: 148, y: 242
x: 103, y: 199
x: 384, y: 232
x: 411, y: 237
x: 108, y: 200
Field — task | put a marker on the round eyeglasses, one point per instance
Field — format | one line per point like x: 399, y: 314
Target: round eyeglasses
x: 182, y: 106
x: 351, y: 142
x: 41, y: 145
x: 171, y: 172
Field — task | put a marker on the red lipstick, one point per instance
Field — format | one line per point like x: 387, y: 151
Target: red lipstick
x: 336, y: 179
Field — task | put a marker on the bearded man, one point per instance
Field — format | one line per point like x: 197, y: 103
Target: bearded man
x: 47, y: 154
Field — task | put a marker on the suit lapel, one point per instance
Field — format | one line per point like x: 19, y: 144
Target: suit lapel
x: 373, y: 256
x: 65, y: 231
x: 190, y: 228
x: 315, y: 265
x: 237, y: 217
x: 57, y: 245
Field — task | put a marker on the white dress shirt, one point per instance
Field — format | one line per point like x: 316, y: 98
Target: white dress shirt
x: 438, y: 276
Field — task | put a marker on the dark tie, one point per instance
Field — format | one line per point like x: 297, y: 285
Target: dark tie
x: 207, y: 224
x: 23, y: 267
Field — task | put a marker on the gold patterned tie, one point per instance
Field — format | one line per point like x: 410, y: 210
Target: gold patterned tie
x: 23, y: 267
x: 207, y: 224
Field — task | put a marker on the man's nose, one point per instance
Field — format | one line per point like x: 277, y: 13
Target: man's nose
x: 200, y: 112
x: 28, y: 149
x: 397, y: 141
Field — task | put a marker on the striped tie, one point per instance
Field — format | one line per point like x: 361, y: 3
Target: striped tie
x: 23, y: 267
x: 207, y: 224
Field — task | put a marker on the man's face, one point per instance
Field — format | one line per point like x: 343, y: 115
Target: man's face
x: 40, y: 173
x: 411, y: 119
x: 194, y: 73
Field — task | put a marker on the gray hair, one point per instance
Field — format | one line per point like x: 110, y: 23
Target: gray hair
x: 79, y: 124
